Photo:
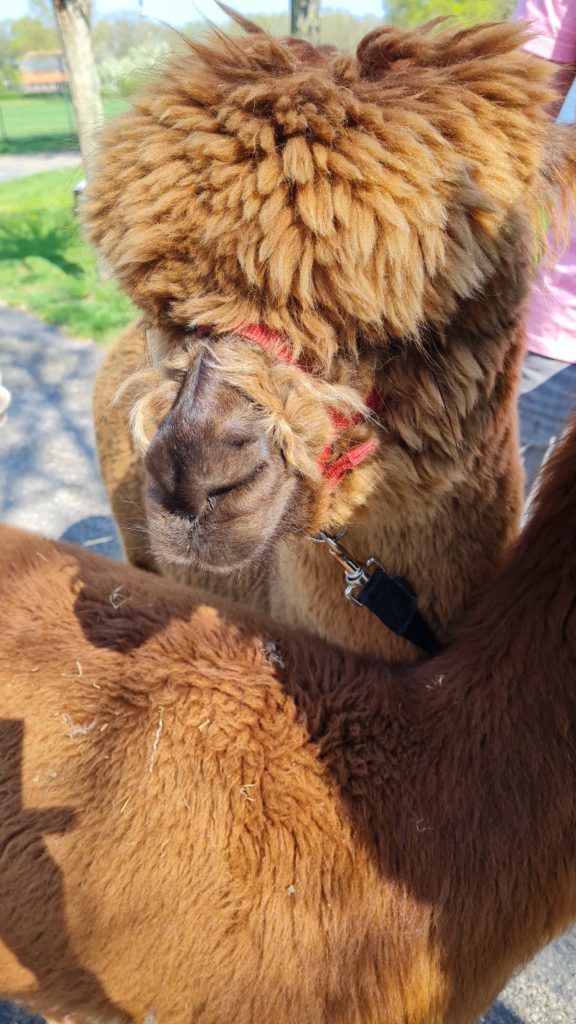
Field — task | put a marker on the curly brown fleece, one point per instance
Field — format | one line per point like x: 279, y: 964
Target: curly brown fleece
x: 261, y: 180
x: 205, y: 818
x: 441, y: 495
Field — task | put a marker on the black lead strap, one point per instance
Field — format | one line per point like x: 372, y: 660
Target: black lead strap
x: 393, y: 601
x: 390, y: 598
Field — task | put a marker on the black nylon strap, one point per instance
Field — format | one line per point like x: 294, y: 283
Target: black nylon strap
x: 393, y: 601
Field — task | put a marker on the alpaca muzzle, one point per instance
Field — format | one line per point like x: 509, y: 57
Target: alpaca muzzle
x: 218, y: 489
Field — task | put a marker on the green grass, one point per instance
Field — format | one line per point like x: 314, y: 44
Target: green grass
x: 45, y: 265
x: 32, y: 124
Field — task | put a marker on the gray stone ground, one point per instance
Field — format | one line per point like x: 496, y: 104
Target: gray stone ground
x: 49, y: 483
x: 21, y: 164
x: 49, y: 479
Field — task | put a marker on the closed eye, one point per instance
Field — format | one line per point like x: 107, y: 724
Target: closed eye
x: 219, y: 492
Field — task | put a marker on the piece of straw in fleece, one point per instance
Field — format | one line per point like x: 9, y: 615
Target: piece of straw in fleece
x: 5, y: 400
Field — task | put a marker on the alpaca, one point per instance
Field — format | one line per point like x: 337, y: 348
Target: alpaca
x: 309, y: 234
x: 207, y: 817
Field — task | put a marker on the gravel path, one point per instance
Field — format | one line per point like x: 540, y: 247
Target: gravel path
x: 48, y: 469
x: 49, y: 483
x: 20, y: 165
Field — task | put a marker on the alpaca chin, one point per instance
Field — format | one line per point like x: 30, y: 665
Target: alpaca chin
x: 209, y: 544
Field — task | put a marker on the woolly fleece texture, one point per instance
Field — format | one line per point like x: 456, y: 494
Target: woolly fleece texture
x: 440, y: 498
x: 325, y: 195
x: 206, y: 818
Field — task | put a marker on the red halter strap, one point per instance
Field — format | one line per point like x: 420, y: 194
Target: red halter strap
x: 334, y: 471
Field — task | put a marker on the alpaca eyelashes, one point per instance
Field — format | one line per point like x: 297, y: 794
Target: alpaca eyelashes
x: 239, y: 442
x: 221, y: 492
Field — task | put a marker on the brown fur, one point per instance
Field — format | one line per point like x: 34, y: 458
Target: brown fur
x: 323, y: 197
x: 438, y: 501
x: 206, y: 818
x: 432, y: 162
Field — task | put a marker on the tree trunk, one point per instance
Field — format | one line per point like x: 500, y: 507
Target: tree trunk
x: 305, y: 19
x: 73, y: 17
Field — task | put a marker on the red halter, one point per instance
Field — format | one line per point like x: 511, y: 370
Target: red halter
x: 331, y: 471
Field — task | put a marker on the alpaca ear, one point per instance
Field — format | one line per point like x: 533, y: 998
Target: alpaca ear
x: 248, y: 26
x: 382, y: 47
x: 157, y: 346
x: 486, y: 59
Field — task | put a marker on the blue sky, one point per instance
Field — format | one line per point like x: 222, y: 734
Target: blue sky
x: 177, y: 12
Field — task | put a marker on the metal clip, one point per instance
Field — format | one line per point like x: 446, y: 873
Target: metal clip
x: 356, y: 573
x: 390, y: 598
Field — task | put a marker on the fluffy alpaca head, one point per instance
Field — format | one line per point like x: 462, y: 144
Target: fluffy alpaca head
x: 328, y: 196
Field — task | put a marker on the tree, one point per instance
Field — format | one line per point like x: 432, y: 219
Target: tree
x: 305, y: 19
x: 115, y: 37
x: 73, y: 19
x: 409, y: 13
x: 16, y: 38
x: 25, y: 34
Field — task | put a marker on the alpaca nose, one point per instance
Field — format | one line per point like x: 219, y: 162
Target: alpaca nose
x: 206, y: 449
x: 189, y: 478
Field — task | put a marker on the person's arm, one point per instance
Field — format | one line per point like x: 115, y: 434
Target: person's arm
x: 553, y: 24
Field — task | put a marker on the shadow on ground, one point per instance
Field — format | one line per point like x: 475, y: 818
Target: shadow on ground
x: 12, y: 1015
x: 49, y: 477
x: 97, y: 534
x: 23, y: 237
x: 499, y: 1014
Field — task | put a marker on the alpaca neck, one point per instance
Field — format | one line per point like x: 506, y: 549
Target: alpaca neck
x: 469, y: 803
x: 498, y: 718
x: 450, y: 484
x: 532, y: 600
x: 448, y: 499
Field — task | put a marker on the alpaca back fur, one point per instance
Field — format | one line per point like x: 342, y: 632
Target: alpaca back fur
x: 205, y: 817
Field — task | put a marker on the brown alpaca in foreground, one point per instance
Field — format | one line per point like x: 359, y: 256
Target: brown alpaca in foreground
x: 382, y: 212
x: 206, y: 818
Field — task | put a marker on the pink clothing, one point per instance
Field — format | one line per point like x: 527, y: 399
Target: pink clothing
x: 552, y: 317
x: 551, y: 329
x: 554, y: 25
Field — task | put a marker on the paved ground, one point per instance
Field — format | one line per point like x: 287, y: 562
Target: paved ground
x: 49, y: 483
x: 48, y: 472
x: 18, y: 166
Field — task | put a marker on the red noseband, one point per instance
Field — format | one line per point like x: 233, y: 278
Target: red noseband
x: 335, y: 470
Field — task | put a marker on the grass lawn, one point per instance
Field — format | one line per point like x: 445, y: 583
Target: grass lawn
x: 46, y: 266
x: 32, y: 124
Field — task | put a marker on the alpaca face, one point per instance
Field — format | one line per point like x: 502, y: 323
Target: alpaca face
x: 219, y: 489
x: 240, y: 450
